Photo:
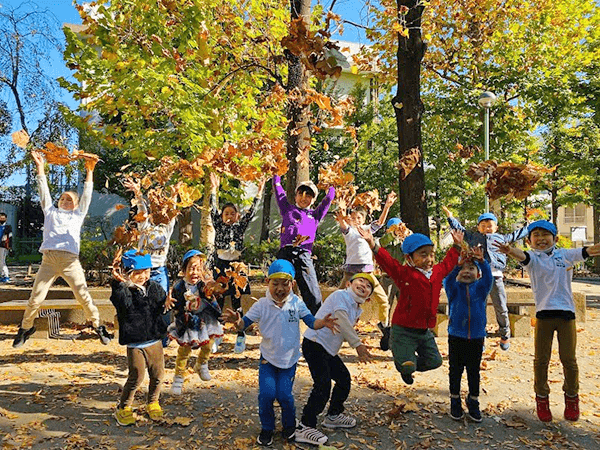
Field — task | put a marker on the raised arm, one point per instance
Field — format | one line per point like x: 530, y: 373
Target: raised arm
x: 88, y: 186
x: 389, y: 201
x: 44, y: 191
x: 516, y: 235
x: 280, y: 195
x: 247, y: 217
x: 323, y: 207
x: 511, y: 251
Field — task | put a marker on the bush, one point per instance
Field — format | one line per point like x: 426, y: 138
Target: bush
x: 261, y: 255
x: 96, y: 259
x: 330, y: 252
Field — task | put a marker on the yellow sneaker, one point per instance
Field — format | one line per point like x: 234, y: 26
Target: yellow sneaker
x: 124, y: 416
x: 154, y: 411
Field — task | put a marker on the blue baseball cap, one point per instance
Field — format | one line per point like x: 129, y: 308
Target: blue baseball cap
x: 393, y: 221
x: 487, y: 216
x: 543, y: 224
x: 282, y: 268
x: 191, y: 253
x: 132, y: 260
x: 414, y: 242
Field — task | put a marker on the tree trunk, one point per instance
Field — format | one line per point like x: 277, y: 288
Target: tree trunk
x: 185, y: 227
x: 266, y: 213
x: 207, y: 231
x: 596, y: 236
x: 298, y: 134
x: 408, y: 108
x: 553, y: 201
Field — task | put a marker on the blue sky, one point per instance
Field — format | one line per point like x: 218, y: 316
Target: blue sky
x: 65, y: 12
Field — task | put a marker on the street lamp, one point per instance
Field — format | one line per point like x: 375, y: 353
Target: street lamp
x: 486, y: 101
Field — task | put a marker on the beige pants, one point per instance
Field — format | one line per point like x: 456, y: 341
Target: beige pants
x: 183, y: 355
x: 56, y: 263
x: 378, y: 296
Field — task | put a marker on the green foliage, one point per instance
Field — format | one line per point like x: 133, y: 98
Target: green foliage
x: 96, y: 259
x: 261, y: 255
x: 330, y: 253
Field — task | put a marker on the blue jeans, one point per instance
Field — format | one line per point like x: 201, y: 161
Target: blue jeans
x: 275, y: 383
x: 161, y: 276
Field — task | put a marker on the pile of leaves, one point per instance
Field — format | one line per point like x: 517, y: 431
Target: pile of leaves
x: 507, y: 179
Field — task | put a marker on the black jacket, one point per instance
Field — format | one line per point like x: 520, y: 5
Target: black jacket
x: 139, y: 315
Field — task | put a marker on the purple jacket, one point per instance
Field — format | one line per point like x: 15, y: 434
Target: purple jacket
x: 296, y: 221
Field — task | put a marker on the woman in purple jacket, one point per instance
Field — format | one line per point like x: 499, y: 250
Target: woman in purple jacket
x: 298, y: 229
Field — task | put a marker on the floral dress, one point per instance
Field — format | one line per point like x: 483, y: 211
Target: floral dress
x: 196, y: 316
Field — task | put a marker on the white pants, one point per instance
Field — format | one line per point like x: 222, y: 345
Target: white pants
x: 3, y: 266
x: 56, y: 263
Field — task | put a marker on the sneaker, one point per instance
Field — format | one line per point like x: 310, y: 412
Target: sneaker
x: 309, y: 435
x: 215, y: 344
x: 265, y: 438
x: 456, y: 411
x: 473, y: 413
x: 154, y: 411
x: 572, y: 408
x: 505, y: 344
x: 240, y: 344
x: 288, y: 433
x: 407, y: 377
x: 339, y: 421
x: 22, y: 336
x: 124, y: 416
x: 177, y: 385
x: 542, y: 406
x: 104, y: 336
x: 384, y: 342
x: 4, y: 280
x: 204, y: 373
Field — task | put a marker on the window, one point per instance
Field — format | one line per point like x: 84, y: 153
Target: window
x: 576, y: 214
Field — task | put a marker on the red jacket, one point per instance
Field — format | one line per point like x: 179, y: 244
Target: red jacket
x: 419, y: 297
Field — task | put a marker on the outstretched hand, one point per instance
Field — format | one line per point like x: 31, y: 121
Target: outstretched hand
x: 331, y: 323
x: 366, y: 234
x: 447, y: 211
x: 363, y: 354
x: 132, y: 185
x: 229, y: 315
x: 391, y: 198
x: 458, y: 236
x: 502, y: 247
x: 117, y: 273
x: 169, y: 302
x: 478, y: 252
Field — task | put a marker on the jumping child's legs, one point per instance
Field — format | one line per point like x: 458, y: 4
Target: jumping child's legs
x: 183, y: 355
x: 73, y: 274
x: 567, y: 350
x: 46, y: 275
x: 456, y: 363
x: 498, y: 295
x: 318, y: 363
x: 472, y: 361
x: 275, y: 383
x: 203, y: 355
x: 428, y: 355
x: 543, y: 337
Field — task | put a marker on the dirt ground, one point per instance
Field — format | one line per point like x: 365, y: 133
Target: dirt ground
x: 60, y: 394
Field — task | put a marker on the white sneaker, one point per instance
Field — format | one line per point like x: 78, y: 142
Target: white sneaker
x: 309, y: 435
x: 339, y: 421
x: 215, y: 345
x: 204, y: 373
x: 240, y: 344
x: 177, y: 385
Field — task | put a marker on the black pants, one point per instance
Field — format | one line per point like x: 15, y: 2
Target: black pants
x: 324, y: 368
x: 306, y: 277
x: 464, y: 353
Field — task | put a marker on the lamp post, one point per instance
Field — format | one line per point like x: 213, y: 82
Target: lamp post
x: 486, y: 101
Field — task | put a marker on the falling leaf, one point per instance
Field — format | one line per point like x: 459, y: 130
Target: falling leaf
x: 20, y: 138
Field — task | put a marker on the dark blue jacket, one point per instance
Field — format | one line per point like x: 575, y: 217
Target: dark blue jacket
x: 467, y: 303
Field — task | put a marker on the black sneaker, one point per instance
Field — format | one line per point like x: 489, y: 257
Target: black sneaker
x: 288, y: 433
x: 384, y: 342
x: 104, y: 336
x: 265, y: 438
x: 473, y: 410
x: 456, y: 411
x: 407, y: 377
x: 22, y: 336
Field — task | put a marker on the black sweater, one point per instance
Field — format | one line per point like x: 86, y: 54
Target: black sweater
x: 139, y: 315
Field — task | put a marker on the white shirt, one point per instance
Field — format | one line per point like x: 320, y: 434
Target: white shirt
x: 280, y: 329
x: 551, y: 277
x: 62, y: 228
x: 340, y: 300
x: 357, y: 249
x: 154, y: 239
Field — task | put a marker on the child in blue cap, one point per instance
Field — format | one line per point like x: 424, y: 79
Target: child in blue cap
x: 551, y: 271
x: 278, y: 316
x: 140, y: 303
x: 467, y: 288
x: 196, y: 323
x: 486, y: 237
x: 420, y: 281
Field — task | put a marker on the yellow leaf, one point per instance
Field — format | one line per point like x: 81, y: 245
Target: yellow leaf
x: 354, y: 70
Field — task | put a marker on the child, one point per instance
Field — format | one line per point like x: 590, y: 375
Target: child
x: 5, y: 245
x: 60, y: 249
x: 154, y: 239
x: 392, y: 240
x: 413, y: 344
x: 196, y: 322
x: 359, y: 258
x: 140, y: 303
x: 467, y: 288
x: 278, y: 316
x: 229, y: 245
x: 320, y: 349
x: 551, y: 271
x: 298, y: 229
x: 486, y: 236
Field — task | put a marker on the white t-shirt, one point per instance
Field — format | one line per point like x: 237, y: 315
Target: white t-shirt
x: 357, y: 249
x: 280, y: 329
x: 551, y: 277
x: 340, y: 300
x: 62, y: 228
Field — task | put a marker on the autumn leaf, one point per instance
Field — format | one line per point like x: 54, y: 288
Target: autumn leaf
x: 20, y: 138
x: 408, y: 161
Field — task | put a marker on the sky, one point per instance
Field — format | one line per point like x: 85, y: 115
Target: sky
x: 65, y: 12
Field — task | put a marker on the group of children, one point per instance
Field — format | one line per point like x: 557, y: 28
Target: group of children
x: 195, y: 309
